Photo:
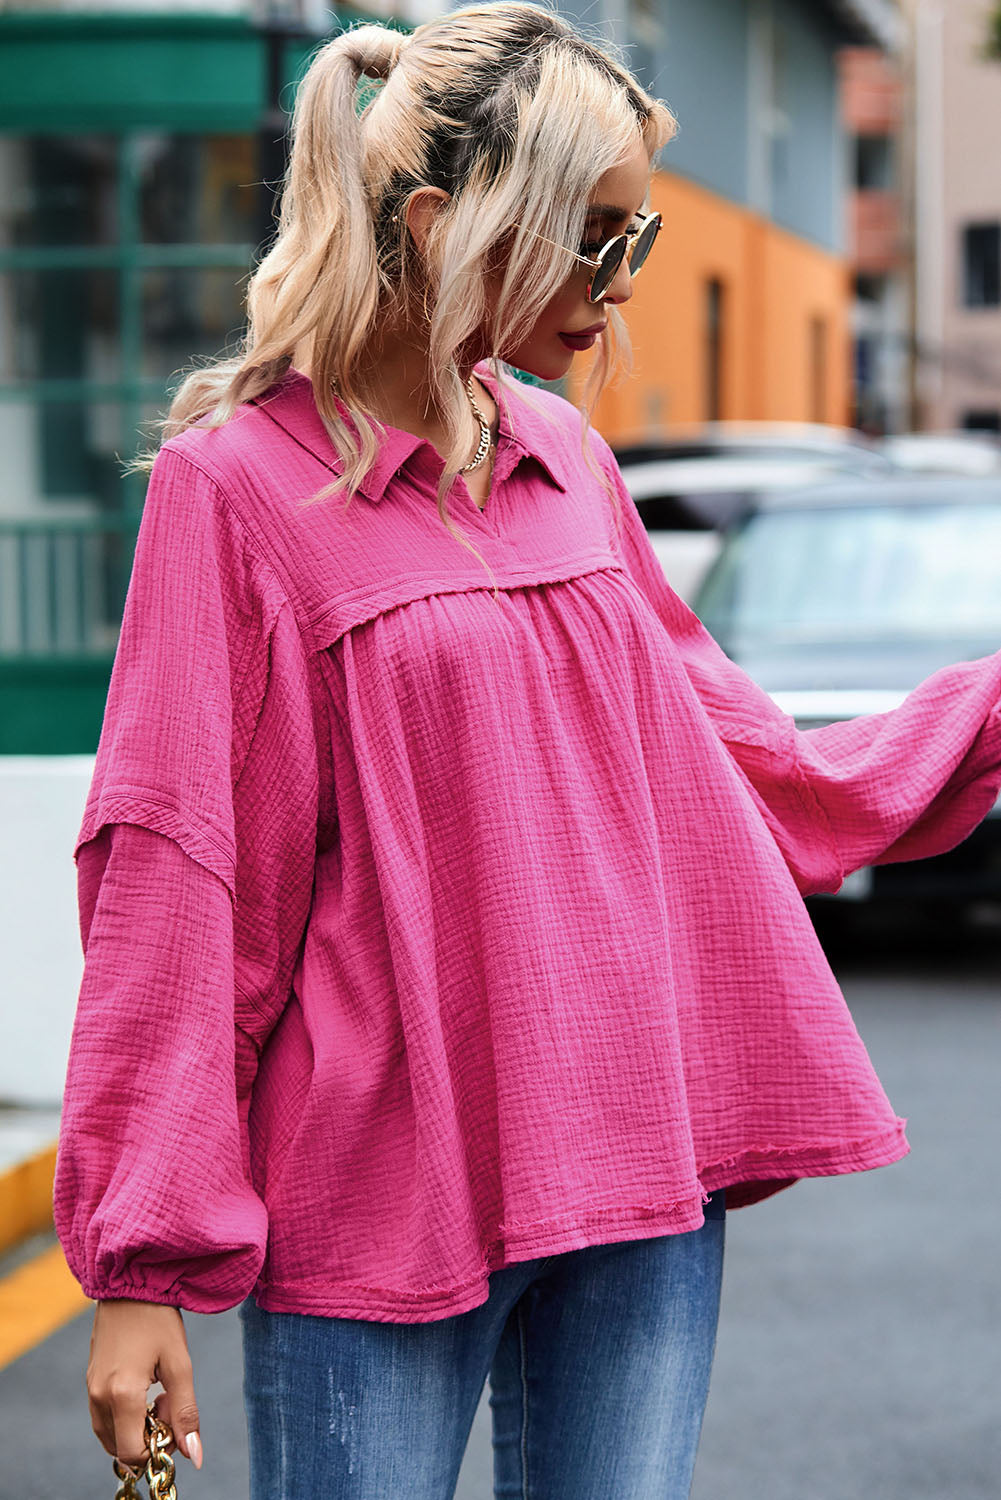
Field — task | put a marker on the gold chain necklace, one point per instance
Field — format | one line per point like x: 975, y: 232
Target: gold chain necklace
x: 485, y: 438
x: 486, y: 441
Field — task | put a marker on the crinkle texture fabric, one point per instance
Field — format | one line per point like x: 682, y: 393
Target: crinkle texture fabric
x: 429, y: 928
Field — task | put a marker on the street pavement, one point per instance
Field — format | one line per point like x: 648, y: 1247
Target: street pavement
x: 859, y: 1352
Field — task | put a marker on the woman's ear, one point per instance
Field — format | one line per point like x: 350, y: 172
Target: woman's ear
x: 423, y: 208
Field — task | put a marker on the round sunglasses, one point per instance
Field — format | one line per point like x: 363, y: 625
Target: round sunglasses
x: 636, y: 245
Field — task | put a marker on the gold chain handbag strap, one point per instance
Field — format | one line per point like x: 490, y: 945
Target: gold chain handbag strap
x: 159, y: 1471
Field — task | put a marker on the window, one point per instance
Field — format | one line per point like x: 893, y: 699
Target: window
x: 873, y: 162
x: 59, y: 190
x: 196, y: 189
x: 123, y: 258
x: 988, y: 420
x: 714, y: 349
x: 870, y: 288
x: 982, y: 265
x: 866, y: 572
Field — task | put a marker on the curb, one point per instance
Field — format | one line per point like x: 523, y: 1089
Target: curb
x: 40, y: 1295
x: 26, y: 1198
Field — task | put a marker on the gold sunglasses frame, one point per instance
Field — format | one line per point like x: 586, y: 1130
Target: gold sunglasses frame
x: 630, y: 239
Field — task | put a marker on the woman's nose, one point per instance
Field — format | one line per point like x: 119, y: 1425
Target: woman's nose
x: 621, y: 288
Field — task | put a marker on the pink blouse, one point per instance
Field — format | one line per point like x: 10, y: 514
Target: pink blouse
x: 430, y: 927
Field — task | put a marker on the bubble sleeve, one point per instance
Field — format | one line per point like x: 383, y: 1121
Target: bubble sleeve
x: 877, y: 789
x: 195, y: 864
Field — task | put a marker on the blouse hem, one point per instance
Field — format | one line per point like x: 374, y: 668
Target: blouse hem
x: 810, y: 1159
x: 428, y: 1304
x: 775, y: 1164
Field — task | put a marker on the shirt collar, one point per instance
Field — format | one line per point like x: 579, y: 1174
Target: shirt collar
x: 291, y: 404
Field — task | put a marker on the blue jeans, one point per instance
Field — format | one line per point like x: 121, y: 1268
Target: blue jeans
x: 598, y: 1361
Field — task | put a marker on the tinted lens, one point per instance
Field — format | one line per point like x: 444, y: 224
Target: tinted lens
x: 643, y: 245
x: 610, y: 261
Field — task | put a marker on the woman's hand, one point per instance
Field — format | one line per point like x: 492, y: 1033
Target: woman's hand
x: 133, y: 1345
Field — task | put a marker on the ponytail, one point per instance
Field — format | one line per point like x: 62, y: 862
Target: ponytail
x: 317, y: 290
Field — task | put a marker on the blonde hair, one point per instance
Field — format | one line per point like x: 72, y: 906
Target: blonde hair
x: 511, y: 111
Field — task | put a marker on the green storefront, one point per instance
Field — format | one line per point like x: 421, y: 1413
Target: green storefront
x: 130, y: 215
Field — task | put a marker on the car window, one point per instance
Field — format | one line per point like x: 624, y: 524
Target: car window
x: 877, y: 572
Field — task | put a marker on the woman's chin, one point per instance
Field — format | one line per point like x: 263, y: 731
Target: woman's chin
x: 543, y: 364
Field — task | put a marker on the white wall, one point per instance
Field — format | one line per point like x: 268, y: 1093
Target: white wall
x: 41, y: 807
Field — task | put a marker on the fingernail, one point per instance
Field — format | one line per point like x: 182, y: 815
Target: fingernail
x: 193, y: 1445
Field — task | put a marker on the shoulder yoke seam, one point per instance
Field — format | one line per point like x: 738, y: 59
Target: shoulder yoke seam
x: 257, y: 543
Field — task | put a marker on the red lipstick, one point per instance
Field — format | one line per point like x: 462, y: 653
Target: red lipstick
x: 582, y: 340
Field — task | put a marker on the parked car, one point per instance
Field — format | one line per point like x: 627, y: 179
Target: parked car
x: 690, y: 487
x: 839, y: 599
x: 851, y: 451
x: 970, y: 452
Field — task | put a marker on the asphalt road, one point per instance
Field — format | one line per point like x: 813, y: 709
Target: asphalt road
x: 859, y: 1351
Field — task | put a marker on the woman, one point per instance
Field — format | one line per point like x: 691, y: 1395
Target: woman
x: 447, y: 970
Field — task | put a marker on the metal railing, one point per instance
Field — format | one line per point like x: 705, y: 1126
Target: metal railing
x: 63, y: 583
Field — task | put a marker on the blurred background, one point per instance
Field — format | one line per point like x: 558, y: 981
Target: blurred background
x: 812, y: 434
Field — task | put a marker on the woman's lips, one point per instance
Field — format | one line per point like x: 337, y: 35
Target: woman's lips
x: 578, y: 340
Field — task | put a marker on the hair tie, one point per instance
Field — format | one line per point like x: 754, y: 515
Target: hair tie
x: 371, y: 57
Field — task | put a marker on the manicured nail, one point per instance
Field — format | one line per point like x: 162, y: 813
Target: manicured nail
x: 193, y: 1445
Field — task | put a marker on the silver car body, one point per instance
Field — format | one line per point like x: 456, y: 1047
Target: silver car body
x: 942, y: 532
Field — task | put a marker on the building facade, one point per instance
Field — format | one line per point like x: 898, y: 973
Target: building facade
x: 748, y: 314
x: 956, y: 105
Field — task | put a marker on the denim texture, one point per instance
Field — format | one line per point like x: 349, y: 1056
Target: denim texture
x: 598, y: 1361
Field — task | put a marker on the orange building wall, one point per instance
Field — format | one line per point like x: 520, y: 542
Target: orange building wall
x: 774, y: 285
